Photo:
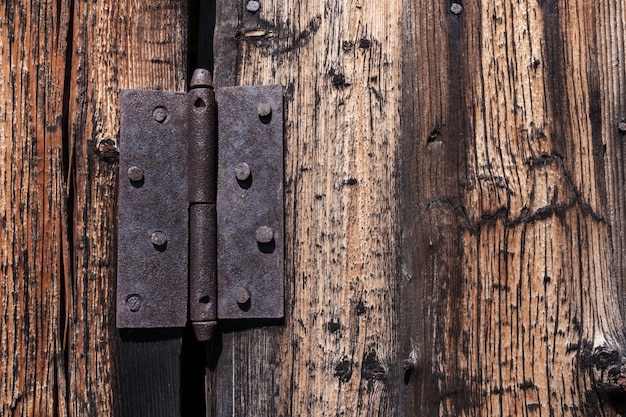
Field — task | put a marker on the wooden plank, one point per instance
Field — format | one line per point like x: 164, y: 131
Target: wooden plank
x: 131, y: 44
x: 432, y: 153
x: 149, y: 373
x: 64, y: 63
x: 340, y: 65
x: 609, y: 38
x: 506, y: 294
x: 32, y: 202
x: 507, y: 243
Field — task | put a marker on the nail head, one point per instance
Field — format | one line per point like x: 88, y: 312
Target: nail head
x: 410, y: 363
x: 407, y: 365
x: 159, y: 114
x: 133, y: 302
x: 264, y: 109
x: 456, y: 8
x: 264, y: 234
x: 622, y: 127
x: 158, y: 238
x: 253, y: 6
x: 242, y: 295
x: 135, y: 173
x: 242, y: 171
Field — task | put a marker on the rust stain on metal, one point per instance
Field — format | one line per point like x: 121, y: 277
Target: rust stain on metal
x: 242, y: 209
x: 152, y: 284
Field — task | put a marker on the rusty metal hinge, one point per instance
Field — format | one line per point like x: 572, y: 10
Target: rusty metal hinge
x: 200, y: 211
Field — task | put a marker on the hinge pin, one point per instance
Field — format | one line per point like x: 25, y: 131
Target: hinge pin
x: 201, y: 78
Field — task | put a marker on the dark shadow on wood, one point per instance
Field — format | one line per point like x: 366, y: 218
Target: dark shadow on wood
x: 213, y: 350
x: 192, y: 375
x: 149, y: 372
x: 200, y: 38
x: 233, y: 326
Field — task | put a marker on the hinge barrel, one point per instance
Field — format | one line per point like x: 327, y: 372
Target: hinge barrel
x: 202, y: 143
x: 202, y: 183
x: 202, y: 263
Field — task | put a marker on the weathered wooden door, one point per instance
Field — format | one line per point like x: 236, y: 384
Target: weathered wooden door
x: 454, y: 225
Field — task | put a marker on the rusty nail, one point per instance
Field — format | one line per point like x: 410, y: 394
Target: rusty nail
x: 410, y: 363
x: 242, y: 171
x: 456, y: 8
x: 264, y: 234
x: 264, y: 109
x: 135, y: 173
x: 242, y: 295
x: 253, y: 6
x: 133, y: 302
x: 159, y: 114
x: 158, y: 238
x: 622, y: 127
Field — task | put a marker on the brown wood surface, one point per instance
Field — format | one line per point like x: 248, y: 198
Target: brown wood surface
x: 340, y: 64
x: 453, y: 190
x: 62, y: 64
x: 510, y: 183
x: 33, y: 244
x: 481, y: 149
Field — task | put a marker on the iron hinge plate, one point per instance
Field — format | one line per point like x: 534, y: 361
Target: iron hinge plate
x: 250, y: 208
x: 152, y: 279
x: 154, y: 203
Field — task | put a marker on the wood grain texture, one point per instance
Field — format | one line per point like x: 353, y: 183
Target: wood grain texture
x: 339, y: 62
x: 508, y: 240
x: 32, y: 202
x: 115, y: 45
x: 610, y: 39
x: 63, y: 63
x: 480, y: 149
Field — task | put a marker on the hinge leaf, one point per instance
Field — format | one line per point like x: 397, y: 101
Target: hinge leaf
x: 250, y: 238
x: 153, y: 237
